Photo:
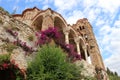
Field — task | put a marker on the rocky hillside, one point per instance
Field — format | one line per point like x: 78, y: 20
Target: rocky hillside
x: 16, y: 38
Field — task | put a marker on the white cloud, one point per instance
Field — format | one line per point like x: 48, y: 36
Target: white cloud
x: 91, y: 14
x: 113, y: 62
x: 110, y: 40
x: 99, y: 22
x: 104, y: 30
x: 117, y: 24
x: 110, y: 5
x: 32, y: 1
x: 63, y: 5
x: 74, y: 16
x: 89, y: 3
x: 45, y: 7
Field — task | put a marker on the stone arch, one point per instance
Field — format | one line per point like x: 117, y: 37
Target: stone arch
x: 37, y: 22
x: 72, y: 35
x: 82, y: 46
x: 59, y: 22
x: 60, y: 25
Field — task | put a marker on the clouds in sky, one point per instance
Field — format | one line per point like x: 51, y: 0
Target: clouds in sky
x: 104, y: 15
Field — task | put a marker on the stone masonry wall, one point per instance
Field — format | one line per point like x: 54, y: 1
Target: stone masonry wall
x: 12, y: 30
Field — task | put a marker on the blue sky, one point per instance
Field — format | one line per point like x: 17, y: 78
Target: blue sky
x: 104, y: 16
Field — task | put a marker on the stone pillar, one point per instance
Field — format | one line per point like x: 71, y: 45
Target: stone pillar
x: 77, y: 41
x: 85, y: 50
x: 78, y: 48
x: 66, y: 31
x: 66, y: 37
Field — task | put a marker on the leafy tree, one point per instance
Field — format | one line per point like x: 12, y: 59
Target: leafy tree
x: 116, y: 73
x: 112, y: 75
x: 50, y: 64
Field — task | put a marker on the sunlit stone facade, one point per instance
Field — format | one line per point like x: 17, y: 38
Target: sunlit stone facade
x: 80, y: 34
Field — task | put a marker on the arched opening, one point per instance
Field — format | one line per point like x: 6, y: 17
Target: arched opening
x: 59, y: 24
x: 72, y: 41
x: 82, y: 50
x: 89, y: 58
x: 72, y: 35
x: 38, y: 23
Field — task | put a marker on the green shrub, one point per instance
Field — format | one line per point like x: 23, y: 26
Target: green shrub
x: 50, y: 64
x: 112, y: 75
x: 30, y: 37
x: 4, y: 58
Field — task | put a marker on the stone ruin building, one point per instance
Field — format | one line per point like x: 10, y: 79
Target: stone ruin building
x: 80, y: 34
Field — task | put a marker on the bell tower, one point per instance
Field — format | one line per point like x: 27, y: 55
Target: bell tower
x: 93, y: 48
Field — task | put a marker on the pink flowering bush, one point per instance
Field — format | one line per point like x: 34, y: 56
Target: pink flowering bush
x: 23, y: 45
x: 69, y: 48
x: 44, y: 37
x: 12, y: 32
x: 7, y: 67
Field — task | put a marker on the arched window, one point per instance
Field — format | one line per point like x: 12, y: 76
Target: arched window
x: 83, y: 27
x: 80, y: 27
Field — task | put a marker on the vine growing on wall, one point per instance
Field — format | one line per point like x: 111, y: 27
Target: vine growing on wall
x: 19, y: 42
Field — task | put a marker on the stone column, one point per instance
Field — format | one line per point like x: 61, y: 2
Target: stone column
x: 66, y: 31
x: 85, y: 50
x: 66, y: 37
x: 77, y: 41
x: 78, y: 48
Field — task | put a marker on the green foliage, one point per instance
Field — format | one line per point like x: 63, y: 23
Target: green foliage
x: 89, y: 78
x: 50, y: 64
x: 4, y: 58
x: 112, y: 75
x: 116, y: 73
x: 30, y: 37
